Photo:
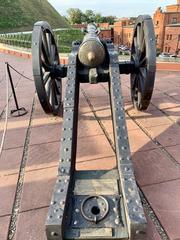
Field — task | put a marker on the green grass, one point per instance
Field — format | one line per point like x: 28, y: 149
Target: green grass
x: 20, y: 15
x: 64, y: 39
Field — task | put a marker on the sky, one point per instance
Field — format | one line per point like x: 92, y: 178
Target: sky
x: 119, y: 8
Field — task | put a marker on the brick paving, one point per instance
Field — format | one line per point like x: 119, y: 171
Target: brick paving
x: 28, y: 165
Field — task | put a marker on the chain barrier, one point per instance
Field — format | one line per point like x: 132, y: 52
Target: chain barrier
x: 20, y: 73
x: 18, y: 111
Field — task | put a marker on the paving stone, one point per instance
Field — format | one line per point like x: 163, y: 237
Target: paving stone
x: 164, y: 199
x: 31, y: 225
x: 131, y: 125
x: 175, y: 93
x: 15, y: 122
x: 10, y: 161
x: 155, y: 118
x: 158, y: 94
x: 94, y: 90
x: 139, y: 141
x: 167, y: 135
x: 38, y: 188
x: 14, y: 137
x: 175, y: 152
x: 95, y: 150
x: 45, y: 134
x: 100, y: 102
x: 4, y: 223
x: 7, y: 193
x: 105, y: 163
x: 88, y: 126
x: 46, y: 120
x: 166, y: 84
x: 43, y: 156
x: 173, y: 113
x: 165, y: 103
x: 152, y: 167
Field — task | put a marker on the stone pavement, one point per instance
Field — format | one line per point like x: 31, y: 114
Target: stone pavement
x: 28, y: 165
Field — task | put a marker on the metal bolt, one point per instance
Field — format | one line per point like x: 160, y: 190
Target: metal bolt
x: 115, y: 209
x: 117, y: 221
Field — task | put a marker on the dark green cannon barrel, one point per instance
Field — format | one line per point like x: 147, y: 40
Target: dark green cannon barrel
x: 91, y: 51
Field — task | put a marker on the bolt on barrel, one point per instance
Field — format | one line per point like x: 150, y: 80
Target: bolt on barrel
x: 91, y: 52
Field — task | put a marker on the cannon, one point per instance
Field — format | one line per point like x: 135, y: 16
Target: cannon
x: 94, y: 204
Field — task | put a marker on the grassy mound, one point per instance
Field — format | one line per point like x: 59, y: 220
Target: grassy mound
x: 20, y: 15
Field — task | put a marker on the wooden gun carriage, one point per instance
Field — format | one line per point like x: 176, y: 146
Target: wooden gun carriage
x: 94, y: 204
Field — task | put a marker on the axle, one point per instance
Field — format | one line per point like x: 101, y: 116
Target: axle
x: 125, y: 67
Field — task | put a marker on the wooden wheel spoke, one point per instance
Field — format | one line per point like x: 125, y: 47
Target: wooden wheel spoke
x: 48, y: 87
x: 45, y: 56
x: 51, y: 94
x: 142, y: 78
x: 138, y: 36
x: 54, y: 93
x: 46, y: 77
x: 45, y: 65
x: 49, y: 37
x: 142, y: 62
x: 136, y: 46
x: 58, y: 87
x: 142, y: 46
x: 133, y: 81
x: 53, y: 51
x: 45, y: 43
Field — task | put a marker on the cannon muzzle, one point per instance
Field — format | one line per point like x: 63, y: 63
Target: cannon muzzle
x: 91, y: 51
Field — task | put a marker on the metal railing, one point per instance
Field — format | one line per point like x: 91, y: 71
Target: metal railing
x: 64, y: 38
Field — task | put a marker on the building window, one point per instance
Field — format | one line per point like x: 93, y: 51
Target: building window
x: 179, y: 37
x: 174, y: 20
x: 157, y: 23
x: 167, y: 37
x: 169, y: 49
x: 170, y: 37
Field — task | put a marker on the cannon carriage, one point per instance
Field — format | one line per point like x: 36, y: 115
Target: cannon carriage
x: 79, y: 210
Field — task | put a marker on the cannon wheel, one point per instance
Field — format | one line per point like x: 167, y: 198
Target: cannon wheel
x: 143, y: 53
x: 45, y: 58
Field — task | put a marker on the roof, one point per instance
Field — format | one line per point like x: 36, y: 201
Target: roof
x: 128, y: 26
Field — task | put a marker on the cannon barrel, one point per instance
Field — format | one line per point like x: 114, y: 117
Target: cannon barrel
x: 91, y: 51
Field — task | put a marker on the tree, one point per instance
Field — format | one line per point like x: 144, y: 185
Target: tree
x: 90, y: 16
x: 98, y: 18
x: 109, y: 19
x: 75, y: 15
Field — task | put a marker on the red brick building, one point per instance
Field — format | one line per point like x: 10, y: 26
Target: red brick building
x: 123, y: 30
x: 167, y: 29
